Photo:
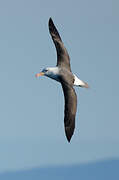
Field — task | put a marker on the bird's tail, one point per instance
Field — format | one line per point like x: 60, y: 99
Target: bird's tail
x: 78, y: 82
x: 84, y: 84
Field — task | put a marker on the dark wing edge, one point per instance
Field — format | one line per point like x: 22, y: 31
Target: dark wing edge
x: 53, y: 31
x: 70, y: 110
x: 62, y: 54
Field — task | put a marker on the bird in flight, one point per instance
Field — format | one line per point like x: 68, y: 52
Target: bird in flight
x: 63, y: 74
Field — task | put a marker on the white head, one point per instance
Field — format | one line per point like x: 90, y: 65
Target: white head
x: 51, y: 72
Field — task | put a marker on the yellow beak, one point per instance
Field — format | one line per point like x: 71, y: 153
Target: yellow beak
x: 39, y: 74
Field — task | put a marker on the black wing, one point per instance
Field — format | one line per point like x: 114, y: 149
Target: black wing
x: 63, y: 59
x: 70, y: 110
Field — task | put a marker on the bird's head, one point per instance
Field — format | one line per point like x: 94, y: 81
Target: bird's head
x: 51, y: 72
x: 44, y: 72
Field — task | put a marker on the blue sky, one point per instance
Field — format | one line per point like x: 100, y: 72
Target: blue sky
x: 31, y: 110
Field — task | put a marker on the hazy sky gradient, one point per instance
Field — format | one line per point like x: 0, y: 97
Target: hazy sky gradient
x: 31, y: 110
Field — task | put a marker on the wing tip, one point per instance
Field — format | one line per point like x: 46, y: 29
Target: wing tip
x: 50, y: 22
x: 53, y: 30
x: 69, y: 133
x: 68, y: 139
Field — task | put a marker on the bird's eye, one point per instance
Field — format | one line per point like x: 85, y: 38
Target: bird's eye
x: 44, y: 70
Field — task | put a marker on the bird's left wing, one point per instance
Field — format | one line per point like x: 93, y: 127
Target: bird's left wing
x: 63, y: 59
x: 70, y: 109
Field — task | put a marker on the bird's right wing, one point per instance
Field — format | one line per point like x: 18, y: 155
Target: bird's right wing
x: 63, y: 59
x: 70, y: 109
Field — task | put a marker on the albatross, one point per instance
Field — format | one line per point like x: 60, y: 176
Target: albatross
x: 63, y: 74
